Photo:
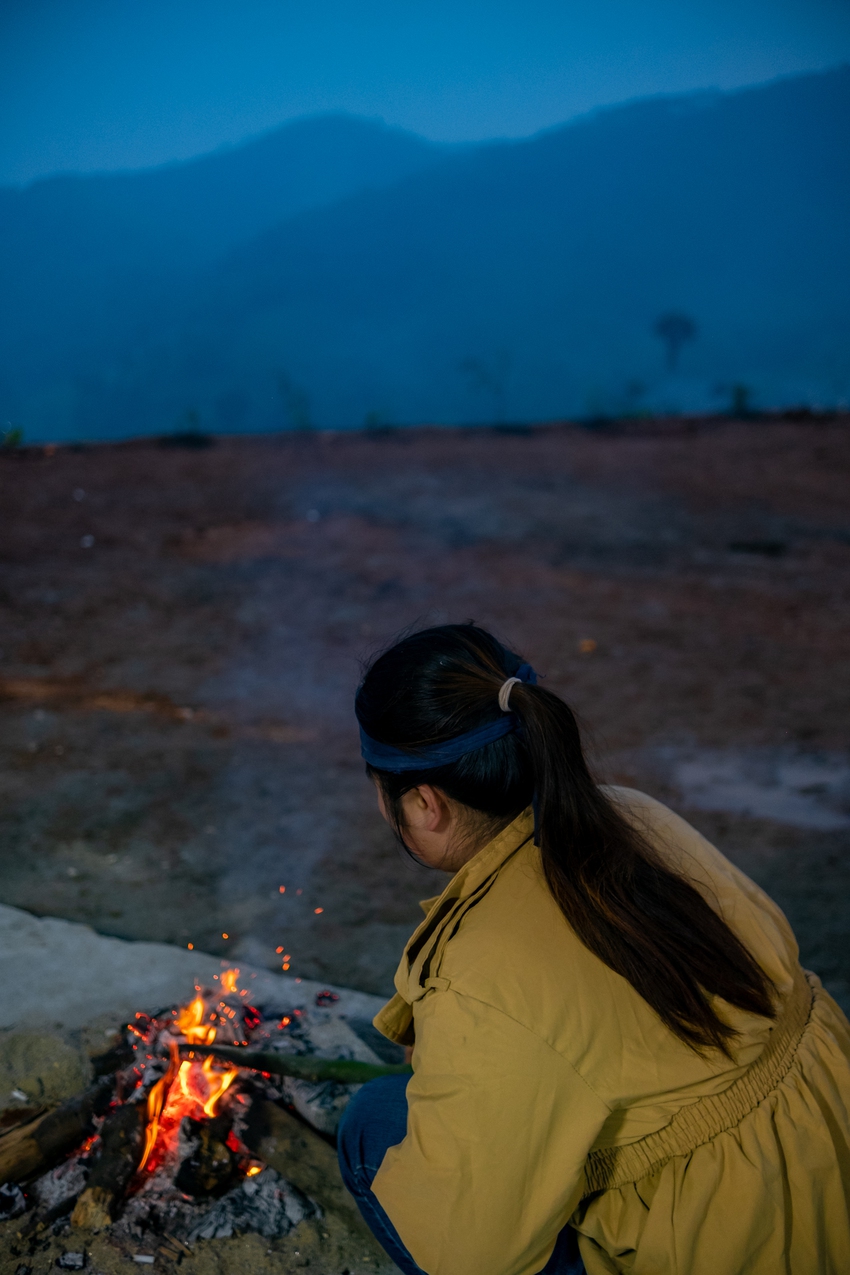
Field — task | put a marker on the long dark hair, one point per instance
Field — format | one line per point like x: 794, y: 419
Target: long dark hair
x: 633, y: 911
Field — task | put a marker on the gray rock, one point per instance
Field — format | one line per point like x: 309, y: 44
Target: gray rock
x: 39, y: 1068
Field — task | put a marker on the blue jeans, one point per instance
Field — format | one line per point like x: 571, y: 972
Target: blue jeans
x: 375, y: 1119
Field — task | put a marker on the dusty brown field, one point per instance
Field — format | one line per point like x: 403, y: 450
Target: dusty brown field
x: 182, y: 631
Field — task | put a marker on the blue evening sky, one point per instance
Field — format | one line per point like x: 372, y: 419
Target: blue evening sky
x: 105, y: 84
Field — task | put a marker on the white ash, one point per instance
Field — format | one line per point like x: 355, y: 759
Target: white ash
x: 266, y: 1203
x: 154, y: 1070
x: 63, y: 1183
x: 158, y: 1207
x: 71, y: 1262
x: 12, y: 1201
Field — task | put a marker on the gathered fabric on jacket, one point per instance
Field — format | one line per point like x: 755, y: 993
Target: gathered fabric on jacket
x: 546, y: 1090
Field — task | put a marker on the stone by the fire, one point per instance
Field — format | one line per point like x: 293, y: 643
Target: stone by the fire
x: 39, y: 1067
x: 323, y: 1033
x: 61, y: 972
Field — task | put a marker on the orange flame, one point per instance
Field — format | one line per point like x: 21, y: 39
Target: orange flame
x: 218, y: 1082
x: 199, y: 1085
x: 156, y: 1102
x: 215, y: 1083
x: 190, y: 1023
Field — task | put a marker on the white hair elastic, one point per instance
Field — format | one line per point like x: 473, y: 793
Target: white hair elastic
x: 505, y: 693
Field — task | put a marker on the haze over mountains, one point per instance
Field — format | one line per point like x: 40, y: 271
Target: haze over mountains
x: 337, y: 271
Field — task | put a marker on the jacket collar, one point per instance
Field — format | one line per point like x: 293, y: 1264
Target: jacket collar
x: 418, y: 971
x: 421, y: 957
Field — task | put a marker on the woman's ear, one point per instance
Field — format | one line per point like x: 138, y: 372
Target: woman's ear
x: 426, y: 809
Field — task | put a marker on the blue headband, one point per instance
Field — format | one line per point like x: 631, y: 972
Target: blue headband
x: 430, y: 756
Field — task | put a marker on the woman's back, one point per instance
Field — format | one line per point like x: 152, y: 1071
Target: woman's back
x: 546, y: 1089
x: 613, y: 1035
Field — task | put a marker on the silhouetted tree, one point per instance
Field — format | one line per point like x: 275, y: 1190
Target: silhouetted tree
x: 674, y: 329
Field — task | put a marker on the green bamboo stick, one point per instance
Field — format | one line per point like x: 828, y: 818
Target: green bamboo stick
x: 344, y: 1071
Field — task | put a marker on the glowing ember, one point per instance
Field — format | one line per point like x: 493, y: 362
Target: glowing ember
x: 228, y: 980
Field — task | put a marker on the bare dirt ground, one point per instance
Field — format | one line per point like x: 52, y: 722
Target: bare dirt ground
x: 182, y: 631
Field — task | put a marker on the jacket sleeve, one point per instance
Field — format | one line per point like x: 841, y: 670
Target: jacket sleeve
x: 499, y: 1127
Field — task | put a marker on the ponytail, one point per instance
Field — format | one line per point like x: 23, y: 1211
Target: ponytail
x: 641, y: 918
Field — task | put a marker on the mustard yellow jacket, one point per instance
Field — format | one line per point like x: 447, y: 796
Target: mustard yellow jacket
x: 545, y: 1089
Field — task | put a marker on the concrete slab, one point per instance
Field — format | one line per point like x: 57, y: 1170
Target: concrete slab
x: 63, y: 975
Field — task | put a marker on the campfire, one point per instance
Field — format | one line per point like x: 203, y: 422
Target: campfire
x: 158, y: 1147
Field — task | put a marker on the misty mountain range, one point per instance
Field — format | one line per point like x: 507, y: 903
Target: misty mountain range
x: 336, y: 272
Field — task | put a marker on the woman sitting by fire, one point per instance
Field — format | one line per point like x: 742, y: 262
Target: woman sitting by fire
x: 617, y: 1059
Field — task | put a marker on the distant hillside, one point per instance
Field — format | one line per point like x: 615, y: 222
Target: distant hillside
x: 513, y: 280
x: 85, y: 259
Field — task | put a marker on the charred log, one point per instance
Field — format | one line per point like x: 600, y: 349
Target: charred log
x: 12, y: 1117
x: 122, y: 1139
x: 211, y: 1168
x: 36, y: 1147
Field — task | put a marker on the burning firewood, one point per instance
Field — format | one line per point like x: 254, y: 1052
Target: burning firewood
x: 344, y: 1071
x: 165, y: 1137
x: 211, y: 1168
x: 33, y: 1148
x: 120, y: 1147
